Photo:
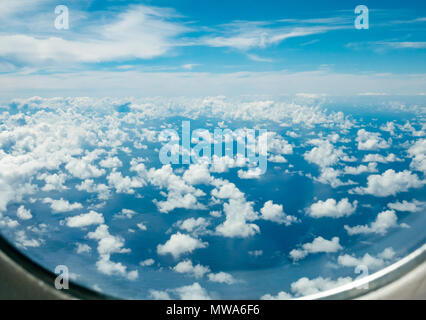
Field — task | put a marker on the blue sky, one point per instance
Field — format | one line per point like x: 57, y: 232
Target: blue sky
x: 279, y: 43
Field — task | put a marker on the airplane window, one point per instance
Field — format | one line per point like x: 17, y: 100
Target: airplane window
x: 166, y: 151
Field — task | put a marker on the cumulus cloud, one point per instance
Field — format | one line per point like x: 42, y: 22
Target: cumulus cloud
x: 390, y: 183
x: 275, y: 213
x: 324, y: 154
x: 380, y: 158
x: 370, y: 140
x: 147, y: 262
x: 186, y: 266
x: 23, y: 214
x: 180, y: 244
x: 305, y: 286
x: 413, y: 206
x: 85, y: 219
x: 83, y: 248
x: 368, y: 260
x: 332, y: 208
x: 62, y: 205
x: 418, y: 152
x: 109, y: 244
x: 371, y: 167
x: 192, y: 292
x: 195, y: 226
x: 384, y: 221
x: 319, y: 244
x: 221, y: 277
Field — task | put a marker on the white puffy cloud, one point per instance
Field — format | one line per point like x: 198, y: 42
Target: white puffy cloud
x: 413, y: 206
x: 180, y: 193
x: 384, y: 221
x: 83, y: 248
x: 147, y: 262
x: 89, y: 185
x: 124, y: 184
x: 111, y: 162
x: 319, y: 244
x: 125, y: 214
x: 197, y: 174
x: 250, y: 173
x: 368, y: 260
x: 159, y: 295
x: 85, y: 219
x: 238, y: 212
x: 305, y: 286
x: 23, y: 214
x: 141, y: 226
x: 418, y: 152
x: 62, y: 205
x: 324, y: 154
x: 390, y: 183
x: 192, y: 292
x: 370, y: 140
x: 371, y: 167
x: 274, y: 212
x: 180, y: 244
x: 108, y: 245
x: 53, y: 181
x: 332, y: 208
x: 83, y: 168
x: 221, y: 277
x: 186, y: 266
x: 195, y: 226
x: 380, y: 158
x: 23, y: 241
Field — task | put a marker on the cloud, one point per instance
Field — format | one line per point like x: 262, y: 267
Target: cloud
x: 124, y: 184
x: 238, y: 212
x: 418, y: 152
x: 192, y: 292
x: 195, y: 226
x: 107, y: 245
x: 85, y: 219
x: 370, y: 140
x: 274, y: 212
x: 305, y: 286
x: 180, y: 244
x: 371, y: 262
x: 384, y: 221
x: 23, y: 241
x: 197, y: 174
x: 319, y: 244
x: 371, y: 167
x: 62, y: 205
x: 186, y: 266
x: 390, y: 183
x: 413, y: 206
x: 324, y: 154
x: 380, y: 158
x: 23, y: 213
x: 139, y: 32
x: 147, y: 262
x: 221, y: 277
x: 125, y: 214
x: 331, y: 208
x: 83, y: 248
x: 246, y: 35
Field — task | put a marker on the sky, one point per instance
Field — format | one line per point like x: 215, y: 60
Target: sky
x: 196, y: 48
